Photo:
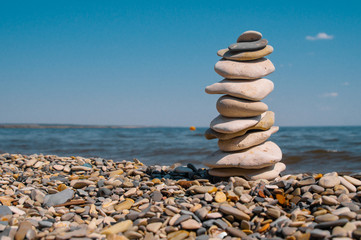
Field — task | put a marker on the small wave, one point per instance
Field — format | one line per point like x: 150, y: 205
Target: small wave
x: 322, y: 151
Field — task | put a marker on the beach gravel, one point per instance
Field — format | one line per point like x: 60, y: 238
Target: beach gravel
x: 51, y: 197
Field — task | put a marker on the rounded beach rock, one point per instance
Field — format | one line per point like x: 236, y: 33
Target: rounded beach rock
x: 246, y: 141
x: 261, y: 156
x: 248, y: 46
x: 232, y: 125
x: 255, y: 90
x: 268, y: 173
x: 249, y: 36
x: 329, y: 180
x: 244, y: 70
x: 245, y: 56
x: 266, y: 122
x: 229, y: 106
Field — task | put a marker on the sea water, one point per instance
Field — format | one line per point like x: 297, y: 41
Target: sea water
x: 305, y: 149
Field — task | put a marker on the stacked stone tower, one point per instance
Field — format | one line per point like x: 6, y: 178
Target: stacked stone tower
x: 244, y: 123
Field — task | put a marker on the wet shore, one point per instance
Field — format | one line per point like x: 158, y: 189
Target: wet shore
x: 51, y: 197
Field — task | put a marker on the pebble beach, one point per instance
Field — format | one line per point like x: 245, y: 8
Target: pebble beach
x: 51, y: 197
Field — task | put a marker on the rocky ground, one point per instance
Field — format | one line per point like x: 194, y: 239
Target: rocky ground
x: 51, y: 197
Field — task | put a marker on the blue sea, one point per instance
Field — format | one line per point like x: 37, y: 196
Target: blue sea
x: 305, y: 149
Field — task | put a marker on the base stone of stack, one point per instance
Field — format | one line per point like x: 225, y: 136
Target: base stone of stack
x: 244, y: 70
x: 268, y: 173
x: 246, y: 141
x: 245, y: 56
x: 263, y: 155
x: 254, y: 90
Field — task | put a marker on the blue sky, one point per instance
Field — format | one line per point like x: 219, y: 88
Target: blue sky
x: 148, y: 62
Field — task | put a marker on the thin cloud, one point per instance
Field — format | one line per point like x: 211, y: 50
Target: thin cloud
x: 346, y: 84
x: 331, y: 94
x: 320, y: 36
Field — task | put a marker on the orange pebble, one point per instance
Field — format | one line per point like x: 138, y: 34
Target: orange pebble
x: 318, y: 176
x: 281, y: 199
x: 61, y: 187
x: 264, y: 228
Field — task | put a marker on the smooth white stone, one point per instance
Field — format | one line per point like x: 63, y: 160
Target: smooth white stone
x: 352, y: 180
x: 347, y: 184
x: 246, y: 141
x: 255, y: 90
x: 267, y: 173
x: 244, y: 70
x: 229, y: 106
x: 231, y: 125
x: 261, y: 156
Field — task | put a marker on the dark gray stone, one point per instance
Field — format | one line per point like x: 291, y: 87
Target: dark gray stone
x: 5, y: 210
x: 104, y: 192
x: 221, y: 223
x: 208, y: 223
x: 326, y: 225
x: 201, y: 231
x: 132, y: 215
x: 182, y: 219
x: 81, y: 192
x: 182, y: 169
x: 257, y: 210
x: 58, y: 198
x: 45, y: 224
x: 320, y: 234
x: 248, y: 46
x: 157, y: 196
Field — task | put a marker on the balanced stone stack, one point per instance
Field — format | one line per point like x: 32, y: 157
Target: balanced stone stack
x: 244, y: 123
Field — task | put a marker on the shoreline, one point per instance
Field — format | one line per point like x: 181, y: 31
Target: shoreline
x: 51, y: 197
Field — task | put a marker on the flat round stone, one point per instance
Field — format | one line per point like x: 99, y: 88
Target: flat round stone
x: 229, y: 106
x: 268, y: 173
x: 329, y: 180
x: 248, y: 46
x: 191, y: 224
x: 249, y: 36
x: 232, y: 125
x: 246, y: 141
x: 254, y: 90
x: 245, y: 56
x: 326, y: 218
x: 244, y: 70
x: 263, y: 155
x: 266, y: 122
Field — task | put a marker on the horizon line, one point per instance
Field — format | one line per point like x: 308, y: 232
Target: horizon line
x: 103, y: 126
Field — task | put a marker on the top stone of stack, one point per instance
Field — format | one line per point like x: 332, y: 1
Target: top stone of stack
x: 249, y: 46
x: 245, y: 58
x: 249, y: 36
